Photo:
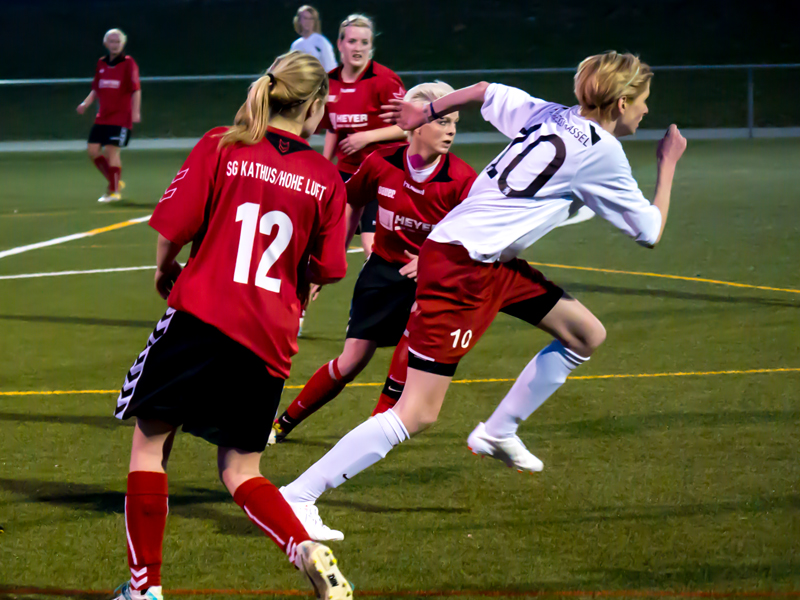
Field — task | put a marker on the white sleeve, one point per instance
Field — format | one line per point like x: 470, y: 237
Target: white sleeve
x: 328, y: 59
x: 604, y: 183
x: 508, y: 108
x: 296, y: 44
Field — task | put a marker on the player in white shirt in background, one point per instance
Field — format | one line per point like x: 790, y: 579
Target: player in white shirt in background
x: 311, y: 41
x: 469, y: 270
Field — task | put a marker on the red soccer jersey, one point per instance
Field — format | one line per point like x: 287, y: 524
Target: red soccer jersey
x: 407, y: 209
x: 114, y: 83
x: 258, y: 216
x: 354, y: 107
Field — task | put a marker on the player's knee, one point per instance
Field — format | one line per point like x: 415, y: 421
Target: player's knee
x: 592, y: 337
x: 92, y: 151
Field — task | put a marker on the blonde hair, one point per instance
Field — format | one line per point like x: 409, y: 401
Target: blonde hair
x: 123, y: 39
x: 294, y: 79
x: 357, y: 20
x: 426, y: 92
x: 603, y: 79
x: 314, y: 14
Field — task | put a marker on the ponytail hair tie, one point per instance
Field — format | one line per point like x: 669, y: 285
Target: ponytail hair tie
x: 271, y: 78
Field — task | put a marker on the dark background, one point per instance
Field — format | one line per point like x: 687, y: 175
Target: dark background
x: 45, y: 38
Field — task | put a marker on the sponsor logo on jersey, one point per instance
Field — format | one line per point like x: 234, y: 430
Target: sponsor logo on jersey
x: 332, y: 98
x: 109, y: 83
x: 384, y: 191
x: 401, y: 222
x: 347, y: 90
x: 385, y: 218
x: 413, y: 189
x: 348, y: 120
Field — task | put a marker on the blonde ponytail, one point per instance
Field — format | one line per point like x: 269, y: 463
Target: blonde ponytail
x: 293, y: 80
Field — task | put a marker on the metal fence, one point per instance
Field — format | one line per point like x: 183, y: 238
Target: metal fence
x: 746, y: 96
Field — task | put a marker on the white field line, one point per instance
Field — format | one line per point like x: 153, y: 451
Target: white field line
x: 70, y: 238
x: 88, y: 272
x: 93, y: 271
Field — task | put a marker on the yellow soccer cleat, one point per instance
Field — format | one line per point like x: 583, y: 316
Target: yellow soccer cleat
x: 318, y: 563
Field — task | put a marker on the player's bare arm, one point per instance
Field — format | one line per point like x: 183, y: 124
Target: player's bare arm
x: 356, y: 141
x: 408, y: 116
x: 352, y: 217
x: 86, y: 103
x: 136, y: 106
x: 329, y: 149
x: 167, y: 268
x: 669, y: 152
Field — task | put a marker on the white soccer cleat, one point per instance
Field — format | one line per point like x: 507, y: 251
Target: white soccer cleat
x: 319, y: 565
x: 107, y: 197
x: 308, y: 515
x: 510, y: 450
x: 124, y: 592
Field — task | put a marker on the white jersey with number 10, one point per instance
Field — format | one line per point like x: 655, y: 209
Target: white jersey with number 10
x: 557, y: 162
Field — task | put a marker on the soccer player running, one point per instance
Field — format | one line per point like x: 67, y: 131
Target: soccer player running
x: 359, y: 87
x: 468, y: 266
x: 118, y: 93
x: 265, y: 215
x: 415, y: 185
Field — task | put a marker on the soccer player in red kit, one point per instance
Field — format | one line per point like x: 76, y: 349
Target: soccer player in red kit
x: 416, y: 186
x: 116, y: 87
x: 265, y: 216
x: 359, y: 86
x: 558, y: 158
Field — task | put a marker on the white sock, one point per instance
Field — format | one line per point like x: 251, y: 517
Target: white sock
x: 361, y: 448
x: 539, y: 379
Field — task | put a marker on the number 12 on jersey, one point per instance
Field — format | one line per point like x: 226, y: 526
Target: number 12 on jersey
x: 247, y: 214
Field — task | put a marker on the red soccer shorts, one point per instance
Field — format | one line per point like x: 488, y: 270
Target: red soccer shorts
x: 458, y: 298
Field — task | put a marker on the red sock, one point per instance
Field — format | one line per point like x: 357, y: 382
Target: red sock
x: 145, y: 518
x: 102, y: 165
x: 396, y: 380
x: 324, y: 386
x: 114, y: 173
x: 267, y: 508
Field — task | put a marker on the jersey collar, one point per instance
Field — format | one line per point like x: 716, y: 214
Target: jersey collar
x: 113, y: 63
x: 439, y: 175
x: 285, y: 142
x: 365, y: 74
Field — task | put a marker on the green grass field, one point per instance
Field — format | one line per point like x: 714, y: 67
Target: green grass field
x: 684, y: 484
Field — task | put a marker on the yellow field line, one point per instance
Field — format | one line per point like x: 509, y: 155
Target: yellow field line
x: 373, y: 384
x: 682, y: 278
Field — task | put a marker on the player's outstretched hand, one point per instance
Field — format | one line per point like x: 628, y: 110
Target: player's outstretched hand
x: 166, y: 279
x: 354, y: 142
x: 410, y: 268
x: 672, y: 145
x: 81, y: 108
x: 405, y: 115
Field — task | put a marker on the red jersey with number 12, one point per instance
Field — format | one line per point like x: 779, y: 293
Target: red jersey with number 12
x: 354, y: 107
x: 407, y: 209
x: 114, y: 83
x: 258, y: 216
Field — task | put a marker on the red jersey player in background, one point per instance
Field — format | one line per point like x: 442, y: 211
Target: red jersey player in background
x: 416, y: 185
x: 359, y: 86
x: 265, y: 216
x: 116, y: 87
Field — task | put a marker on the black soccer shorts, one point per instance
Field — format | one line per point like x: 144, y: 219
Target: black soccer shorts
x: 110, y: 135
x: 191, y: 374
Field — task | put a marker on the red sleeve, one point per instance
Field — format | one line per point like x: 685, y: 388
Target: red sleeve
x: 133, y: 74
x: 391, y: 87
x: 362, y: 187
x: 328, y: 260
x: 95, y: 81
x: 180, y: 213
